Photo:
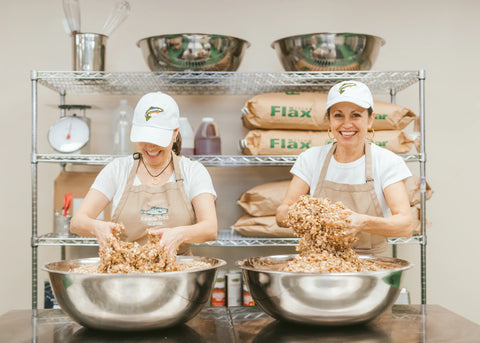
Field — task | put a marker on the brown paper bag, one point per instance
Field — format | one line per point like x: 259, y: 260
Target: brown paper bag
x: 417, y: 224
x: 293, y: 142
x: 294, y: 111
x: 261, y: 227
x: 306, y: 111
x: 413, y: 189
x: 264, y: 199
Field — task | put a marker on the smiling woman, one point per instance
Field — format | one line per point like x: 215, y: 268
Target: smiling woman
x: 154, y: 190
x: 368, y: 179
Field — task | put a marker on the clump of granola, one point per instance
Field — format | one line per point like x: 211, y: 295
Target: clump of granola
x: 117, y: 256
x: 130, y: 257
x: 324, y: 245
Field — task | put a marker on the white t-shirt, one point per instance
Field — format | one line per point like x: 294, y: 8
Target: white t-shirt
x: 387, y: 167
x: 112, y: 179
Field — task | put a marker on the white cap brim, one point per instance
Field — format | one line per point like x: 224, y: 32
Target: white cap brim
x: 354, y: 100
x: 153, y: 135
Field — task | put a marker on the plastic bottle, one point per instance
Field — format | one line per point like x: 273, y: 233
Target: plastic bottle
x: 188, y: 137
x: 218, y: 292
x: 247, y: 297
x: 234, y: 288
x: 207, y: 138
x: 121, y: 126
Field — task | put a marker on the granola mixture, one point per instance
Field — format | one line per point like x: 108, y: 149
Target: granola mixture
x: 324, y: 246
x: 130, y: 257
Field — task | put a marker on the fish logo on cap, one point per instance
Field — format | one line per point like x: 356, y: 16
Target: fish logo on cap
x: 152, y: 110
x: 345, y: 86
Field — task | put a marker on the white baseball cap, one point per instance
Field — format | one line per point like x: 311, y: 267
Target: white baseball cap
x: 155, y: 118
x: 350, y: 91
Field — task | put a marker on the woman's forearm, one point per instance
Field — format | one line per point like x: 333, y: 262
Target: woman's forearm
x: 399, y: 225
x: 200, y: 232
x: 83, y: 225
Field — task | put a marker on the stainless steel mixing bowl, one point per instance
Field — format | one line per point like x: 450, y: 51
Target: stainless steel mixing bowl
x: 328, y: 51
x: 131, y: 301
x: 330, y: 299
x: 193, y: 52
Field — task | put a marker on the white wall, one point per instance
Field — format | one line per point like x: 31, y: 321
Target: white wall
x: 438, y: 36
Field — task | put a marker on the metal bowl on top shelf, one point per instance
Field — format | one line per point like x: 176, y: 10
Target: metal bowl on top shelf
x: 193, y: 52
x: 328, y: 299
x: 133, y: 301
x: 327, y: 51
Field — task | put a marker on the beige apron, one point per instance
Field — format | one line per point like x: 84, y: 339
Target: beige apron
x: 142, y: 207
x: 359, y: 198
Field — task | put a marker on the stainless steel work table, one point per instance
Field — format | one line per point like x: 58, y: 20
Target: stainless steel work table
x: 405, y: 324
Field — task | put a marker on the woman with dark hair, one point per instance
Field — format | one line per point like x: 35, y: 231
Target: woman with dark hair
x: 154, y: 190
x: 366, y: 178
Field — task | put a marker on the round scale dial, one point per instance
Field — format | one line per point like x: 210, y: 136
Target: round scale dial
x: 69, y: 134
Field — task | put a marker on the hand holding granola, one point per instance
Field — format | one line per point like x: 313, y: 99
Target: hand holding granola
x: 327, y: 232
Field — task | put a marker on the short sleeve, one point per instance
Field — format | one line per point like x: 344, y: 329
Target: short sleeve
x: 197, y: 178
x: 309, y: 164
x: 301, y: 167
x: 107, y: 181
x: 394, y: 171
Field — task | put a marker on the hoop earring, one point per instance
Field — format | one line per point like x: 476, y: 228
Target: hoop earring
x: 372, y: 134
x: 329, y: 135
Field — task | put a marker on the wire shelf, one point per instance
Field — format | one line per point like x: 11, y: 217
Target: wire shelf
x: 55, y: 239
x: 217, y: 83
x: 206, y: 160
x: 225, y: 238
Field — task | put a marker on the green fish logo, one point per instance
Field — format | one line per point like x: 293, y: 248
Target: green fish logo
x: 345, y: 86
x: 155, y: 211
x: 152, y: 110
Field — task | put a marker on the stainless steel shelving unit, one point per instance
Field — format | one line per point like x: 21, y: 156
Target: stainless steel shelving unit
x: 225, y: 238
x: 189, y: 83
x: 212, y: 83
x: 206, y: 160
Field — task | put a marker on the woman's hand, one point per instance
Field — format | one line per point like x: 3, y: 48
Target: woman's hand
x: 103, y: 230
x: 170, y: 238
x: 399, y: 224
x: 354, y: 223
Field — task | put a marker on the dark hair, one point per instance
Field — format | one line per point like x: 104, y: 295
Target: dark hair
x: 370, y: 111
x: 177, y: 145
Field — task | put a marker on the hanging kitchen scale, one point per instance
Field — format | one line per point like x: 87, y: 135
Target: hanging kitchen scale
x: 71, y: 133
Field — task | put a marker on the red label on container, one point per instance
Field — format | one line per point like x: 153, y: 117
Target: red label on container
x: 247, y: 299
x: 218, y: 297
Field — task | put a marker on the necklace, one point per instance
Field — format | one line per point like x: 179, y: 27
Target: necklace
x: 155, y: 180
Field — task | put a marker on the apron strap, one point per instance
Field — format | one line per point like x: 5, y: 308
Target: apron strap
x: 368, y: 162
x: 128, y: 185
x: 176, y: 167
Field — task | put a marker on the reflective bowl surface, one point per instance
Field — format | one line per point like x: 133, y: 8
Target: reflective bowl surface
x: 131, y: 301
x: 328, y: 51
x: 193, y: 52
x: 329, y: 299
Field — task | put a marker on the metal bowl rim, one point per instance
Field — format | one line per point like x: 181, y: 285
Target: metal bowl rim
x: 289, y: 256
x: 92, y: 260
x: 382, y: 40
x: 186, y: 33
x: 90, y: 33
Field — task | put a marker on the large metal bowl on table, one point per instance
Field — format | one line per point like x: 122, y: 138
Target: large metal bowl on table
x: 327, y: 51
x: 329, y: 299
x: 130, y: 302
x: 193, y: 52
